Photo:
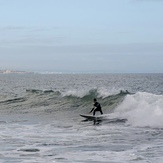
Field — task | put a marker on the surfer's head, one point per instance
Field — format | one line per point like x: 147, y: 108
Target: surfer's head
x: 94, y: 100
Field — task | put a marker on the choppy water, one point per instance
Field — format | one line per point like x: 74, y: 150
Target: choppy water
x: 40, y: 122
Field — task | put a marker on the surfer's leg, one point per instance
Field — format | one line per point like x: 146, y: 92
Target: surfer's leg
x: 101, y: 112
x: 94, y: 112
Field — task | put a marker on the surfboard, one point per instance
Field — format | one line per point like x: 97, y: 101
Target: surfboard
x: 103, y: 118
x: 90, y: 117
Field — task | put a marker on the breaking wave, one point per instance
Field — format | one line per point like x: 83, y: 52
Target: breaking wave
x: 69, y: 100
x: 142, y: 109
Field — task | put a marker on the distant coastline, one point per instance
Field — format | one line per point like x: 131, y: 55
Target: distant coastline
x: 14, y: 72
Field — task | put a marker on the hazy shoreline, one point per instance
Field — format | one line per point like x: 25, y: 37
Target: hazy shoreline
x: 14, y: 72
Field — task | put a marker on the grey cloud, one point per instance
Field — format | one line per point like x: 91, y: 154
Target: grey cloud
x: 147, y: 0
x: 32, y: 41
x: 12, y: 28
x: 87, y: 57
x: 32, y: 28
x: 48, y: 48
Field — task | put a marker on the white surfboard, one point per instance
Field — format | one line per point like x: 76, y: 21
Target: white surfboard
x: 90, y: 117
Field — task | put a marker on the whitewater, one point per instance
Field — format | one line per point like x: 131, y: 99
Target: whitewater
x: 40, y: 118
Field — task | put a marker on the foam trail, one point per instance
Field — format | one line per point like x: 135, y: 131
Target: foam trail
x: 142, y: 109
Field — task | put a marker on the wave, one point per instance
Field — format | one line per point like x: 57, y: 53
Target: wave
x: 142, y: 110
x: 84, y: 97
x: 95, y: 92
x: 37, y: 91
x: 14, y: 100
x: 82, y: 94
x: 68, y: 100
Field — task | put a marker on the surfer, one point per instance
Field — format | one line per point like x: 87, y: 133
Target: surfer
x: 97, y: 107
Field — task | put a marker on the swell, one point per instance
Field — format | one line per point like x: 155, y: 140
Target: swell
x: 14, y: 100
x: 50, y: 100
x: 37, y: 91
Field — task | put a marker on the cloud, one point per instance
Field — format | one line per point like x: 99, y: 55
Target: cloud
x: 25, y: 36
x: 6, y: 28
x: 84, y: 58
x: 147, y: 0
x: 49, y: 47
x: 35, y: 41
x: 29, y: 28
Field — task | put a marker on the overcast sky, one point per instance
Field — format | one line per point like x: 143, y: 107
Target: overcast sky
x: 110, y: 36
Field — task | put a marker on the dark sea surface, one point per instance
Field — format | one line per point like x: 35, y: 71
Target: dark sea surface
x: 40, y: 118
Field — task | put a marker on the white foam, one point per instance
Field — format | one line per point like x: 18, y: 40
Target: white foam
x: 101, y: 92
x: 77, y: 93
x: 105, y: 92
x: 142, y: 109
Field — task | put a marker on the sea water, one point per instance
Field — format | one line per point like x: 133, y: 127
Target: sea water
x: 40, y: 122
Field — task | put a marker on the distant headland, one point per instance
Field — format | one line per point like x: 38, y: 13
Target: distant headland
x: 14, y: 72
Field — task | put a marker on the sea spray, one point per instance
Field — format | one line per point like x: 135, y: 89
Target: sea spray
x: 142, y: 109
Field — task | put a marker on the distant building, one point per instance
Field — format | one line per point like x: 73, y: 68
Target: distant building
x: 14, y: 72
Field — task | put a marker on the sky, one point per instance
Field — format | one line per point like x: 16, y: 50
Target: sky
x: 82, y: 36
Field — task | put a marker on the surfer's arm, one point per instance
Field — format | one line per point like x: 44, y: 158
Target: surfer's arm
x: 92, y: 109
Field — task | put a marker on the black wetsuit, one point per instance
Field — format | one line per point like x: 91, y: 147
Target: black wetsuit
x: 97, y: 108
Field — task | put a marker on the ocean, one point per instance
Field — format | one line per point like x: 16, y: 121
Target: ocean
x: 40, y: 118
